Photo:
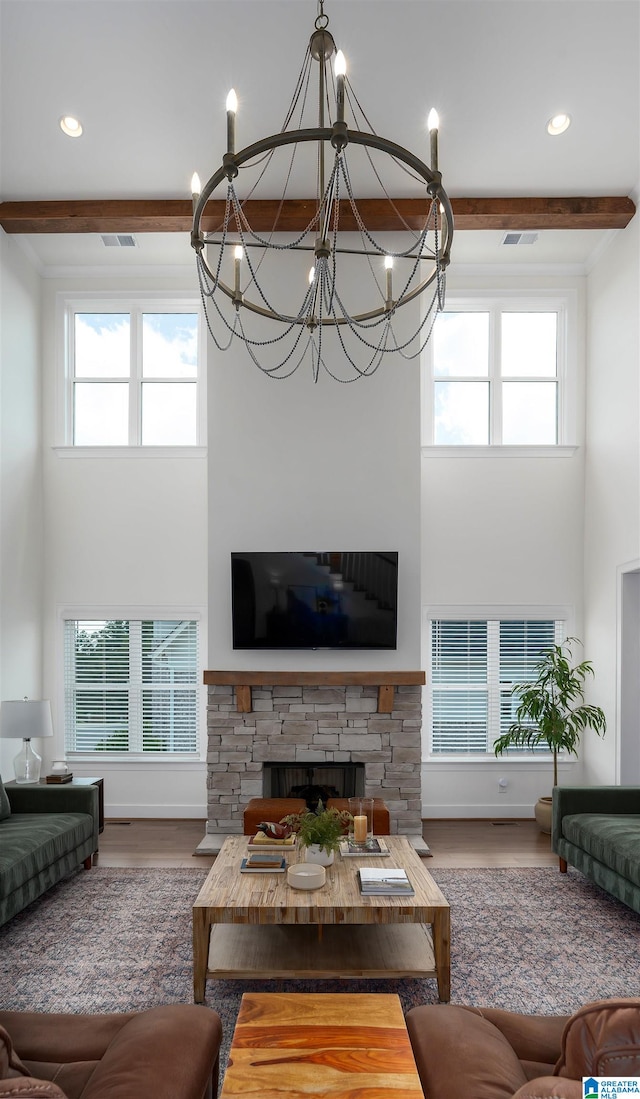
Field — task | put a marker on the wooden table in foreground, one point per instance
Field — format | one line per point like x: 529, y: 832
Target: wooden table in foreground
x: 335, y: 1045
x: 255, y: 926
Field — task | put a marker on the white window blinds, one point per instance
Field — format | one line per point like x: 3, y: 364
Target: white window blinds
x: 131, y: 686
x: 474, y: 664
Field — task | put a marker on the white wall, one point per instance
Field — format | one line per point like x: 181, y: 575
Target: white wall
x: 20, y: 485
x: 506, y: 532
x: 612, y: 493
x: 628, y: 724
x: 125, y: 534
x: 297, y: 466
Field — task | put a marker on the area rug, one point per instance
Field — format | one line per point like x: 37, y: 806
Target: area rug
x: 529, y: 940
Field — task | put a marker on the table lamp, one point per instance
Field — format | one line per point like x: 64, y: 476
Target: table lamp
x: 26, y: 719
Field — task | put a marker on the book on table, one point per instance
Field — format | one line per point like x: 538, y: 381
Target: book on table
x: 260, y: 842
x: 376, y: 882
x: 375, y: 847
x: 263, y: 863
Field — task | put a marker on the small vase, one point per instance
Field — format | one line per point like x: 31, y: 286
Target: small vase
x: 315, y: 853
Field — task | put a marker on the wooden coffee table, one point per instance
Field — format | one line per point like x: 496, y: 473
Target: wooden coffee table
x: 305, y: 1044
x: 255, y: 926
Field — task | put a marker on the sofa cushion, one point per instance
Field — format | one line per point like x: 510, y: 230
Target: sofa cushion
x: 462, y: 1055
x: 168, y: 1052
x: 27, y: 1087
x: 613, y: 840
x: 550, y: 1087
x: 32, y: 842
x: 10, y: 1063
x: 602, y: 1039
x: 5, y: 806
x: 15, y: 1082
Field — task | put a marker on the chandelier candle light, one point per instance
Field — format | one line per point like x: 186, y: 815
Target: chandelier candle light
x: 341, y: 315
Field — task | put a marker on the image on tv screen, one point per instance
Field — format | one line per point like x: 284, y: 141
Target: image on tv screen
x: 314, y: 600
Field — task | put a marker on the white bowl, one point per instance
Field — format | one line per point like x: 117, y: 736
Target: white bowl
x: 306, y: 875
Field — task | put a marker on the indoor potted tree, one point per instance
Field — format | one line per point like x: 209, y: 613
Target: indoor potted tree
x: 319, y: 832
x: 552, y: 711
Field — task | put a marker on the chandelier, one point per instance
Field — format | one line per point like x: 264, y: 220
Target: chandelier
x: 328, y: 292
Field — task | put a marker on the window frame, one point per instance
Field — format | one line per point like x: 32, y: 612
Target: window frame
x: 562, y: 616
x: 134, y: 304
x: 157, y: 760
x: 565, y: 304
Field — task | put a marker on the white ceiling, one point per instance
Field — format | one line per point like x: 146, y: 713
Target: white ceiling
x: 149, y: 78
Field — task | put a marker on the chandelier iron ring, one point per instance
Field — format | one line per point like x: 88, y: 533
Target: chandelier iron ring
x: 232, y: 162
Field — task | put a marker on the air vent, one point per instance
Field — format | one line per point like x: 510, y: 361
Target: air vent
x: 520, y: 238
x: 118, y: 240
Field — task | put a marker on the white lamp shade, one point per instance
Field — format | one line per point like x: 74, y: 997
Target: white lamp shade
x: 26, y: 718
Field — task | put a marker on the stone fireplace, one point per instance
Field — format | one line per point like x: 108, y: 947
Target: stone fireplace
x: 313, y: 720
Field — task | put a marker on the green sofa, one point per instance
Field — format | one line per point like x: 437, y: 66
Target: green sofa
x: 597, y: 830
x: 46, y: 833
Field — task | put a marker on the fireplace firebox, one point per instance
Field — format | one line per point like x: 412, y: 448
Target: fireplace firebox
x: 313, y: 782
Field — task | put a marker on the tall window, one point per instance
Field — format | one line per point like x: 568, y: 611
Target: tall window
x: 474, y: 665
x: 496, y: 372
x: 131, y: 686
x: 133, y: 376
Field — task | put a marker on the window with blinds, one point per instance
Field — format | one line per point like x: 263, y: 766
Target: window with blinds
x: 474, y: 665
x: 131, y: 686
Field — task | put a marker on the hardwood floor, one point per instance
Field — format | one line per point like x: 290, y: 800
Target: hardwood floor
x: 452, y: 842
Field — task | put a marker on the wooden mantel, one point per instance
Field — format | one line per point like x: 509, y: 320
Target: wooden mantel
x: 244, y: 681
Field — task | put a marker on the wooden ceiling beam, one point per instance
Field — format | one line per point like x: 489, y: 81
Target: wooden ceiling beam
x: 292, y: 215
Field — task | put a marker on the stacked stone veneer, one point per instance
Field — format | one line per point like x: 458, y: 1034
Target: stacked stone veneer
x: 313, y: 725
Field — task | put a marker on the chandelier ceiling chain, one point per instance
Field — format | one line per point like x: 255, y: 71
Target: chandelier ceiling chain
x: 345, y: 306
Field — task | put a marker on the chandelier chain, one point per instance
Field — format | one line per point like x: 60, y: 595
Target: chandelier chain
x: 322, y: 20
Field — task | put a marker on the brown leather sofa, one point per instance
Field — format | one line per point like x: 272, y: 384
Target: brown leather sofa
x: 486, y: 1053
x: 166, y: 1052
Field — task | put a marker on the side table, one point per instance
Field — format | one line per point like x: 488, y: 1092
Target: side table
x: 99, y: 782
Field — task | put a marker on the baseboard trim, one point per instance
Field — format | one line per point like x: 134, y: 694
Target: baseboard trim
x: 155, y: 812
x: 479, y: 812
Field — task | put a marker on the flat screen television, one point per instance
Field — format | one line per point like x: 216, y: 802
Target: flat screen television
x: 314, y: 600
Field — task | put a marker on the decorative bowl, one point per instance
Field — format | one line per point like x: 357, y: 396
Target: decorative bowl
x: 306, y: 875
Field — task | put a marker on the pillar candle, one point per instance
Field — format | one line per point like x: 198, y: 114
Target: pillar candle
x: 433, y: 122
x: 340, y: 69
x: 232, y: 107
x: 360, y: 829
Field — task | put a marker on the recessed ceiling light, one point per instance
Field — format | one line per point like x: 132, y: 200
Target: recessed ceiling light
x: 558, y: 124
x: 70, y: 126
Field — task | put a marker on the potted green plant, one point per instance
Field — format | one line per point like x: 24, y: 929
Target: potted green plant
x: 551, y: 710
x: 319, y: 831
